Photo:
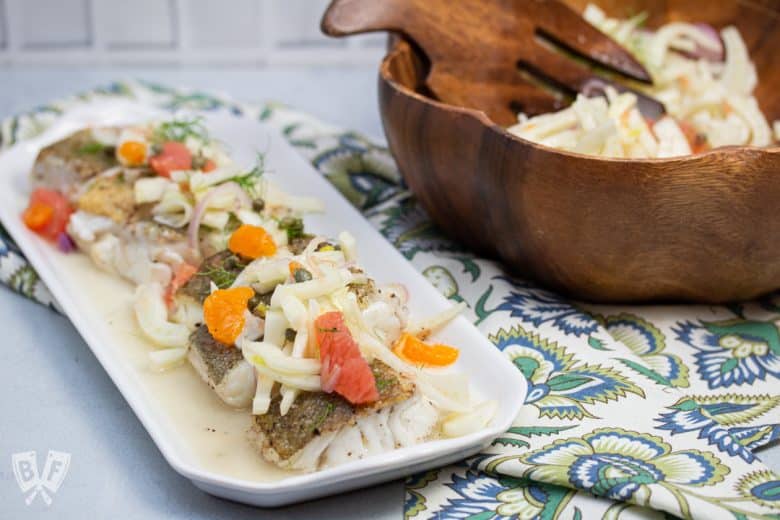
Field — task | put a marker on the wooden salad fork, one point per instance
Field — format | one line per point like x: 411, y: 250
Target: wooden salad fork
x: 499, y: 56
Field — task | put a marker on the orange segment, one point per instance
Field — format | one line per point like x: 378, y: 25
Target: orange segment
x: 132, y: 153
x: 413, y: 350
x: 51, y: 222
x: 223, y: 312
x: 37, y: 215
x: 252, y: 242
x: 209, y: 166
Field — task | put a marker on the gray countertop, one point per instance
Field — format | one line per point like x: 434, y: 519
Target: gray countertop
x: 56, y: 395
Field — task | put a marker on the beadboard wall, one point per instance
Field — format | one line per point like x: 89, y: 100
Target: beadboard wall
x: 169, y: 32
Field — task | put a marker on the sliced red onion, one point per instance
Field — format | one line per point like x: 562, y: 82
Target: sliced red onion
x: 242, y: 200
x: 705, y: 53
x: 65, y: 243
x: 329, y: 384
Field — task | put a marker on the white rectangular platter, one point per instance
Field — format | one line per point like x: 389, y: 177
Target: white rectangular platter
x: 200, y: 437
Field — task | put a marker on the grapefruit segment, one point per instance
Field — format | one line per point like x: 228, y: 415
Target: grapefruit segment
x: 343, y: 368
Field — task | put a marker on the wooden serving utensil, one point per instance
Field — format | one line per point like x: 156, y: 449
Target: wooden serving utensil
x: 502, y: 56
x: 703, y: 228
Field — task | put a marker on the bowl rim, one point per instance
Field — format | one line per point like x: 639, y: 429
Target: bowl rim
x: 400, y: 44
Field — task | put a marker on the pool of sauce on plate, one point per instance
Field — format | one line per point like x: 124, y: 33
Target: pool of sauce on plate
x: 213, y: 432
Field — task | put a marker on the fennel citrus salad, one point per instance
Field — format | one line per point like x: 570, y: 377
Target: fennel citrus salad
x: 282, y: 323
x: 704, y: 78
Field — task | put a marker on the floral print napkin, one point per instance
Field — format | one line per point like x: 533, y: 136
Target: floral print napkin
x: 632, y: 412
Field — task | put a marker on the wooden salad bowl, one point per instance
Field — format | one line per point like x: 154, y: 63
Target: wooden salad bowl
x: 702, y: 228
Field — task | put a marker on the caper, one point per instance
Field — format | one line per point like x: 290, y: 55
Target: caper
x: 301, y: 275
x: 289, y: 335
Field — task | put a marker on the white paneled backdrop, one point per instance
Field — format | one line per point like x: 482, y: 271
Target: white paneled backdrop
x: 225, y: 32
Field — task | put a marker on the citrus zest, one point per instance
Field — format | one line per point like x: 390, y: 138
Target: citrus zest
x: 223, y: 312
x: 252, y: 242
x: 413, y: 350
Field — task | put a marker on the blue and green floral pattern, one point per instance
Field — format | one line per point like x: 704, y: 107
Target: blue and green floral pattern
x: 503, y: 498
x: 623, y: 465
x: 734, y: 352
x: 646, y: 341
x: 537, y: 306
x: 632, y: 413
x: 762, y: 486
x: 721, y: 418
x: 560, y: 385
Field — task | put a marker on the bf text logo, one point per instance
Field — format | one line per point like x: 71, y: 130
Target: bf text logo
x: 43, y: 484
